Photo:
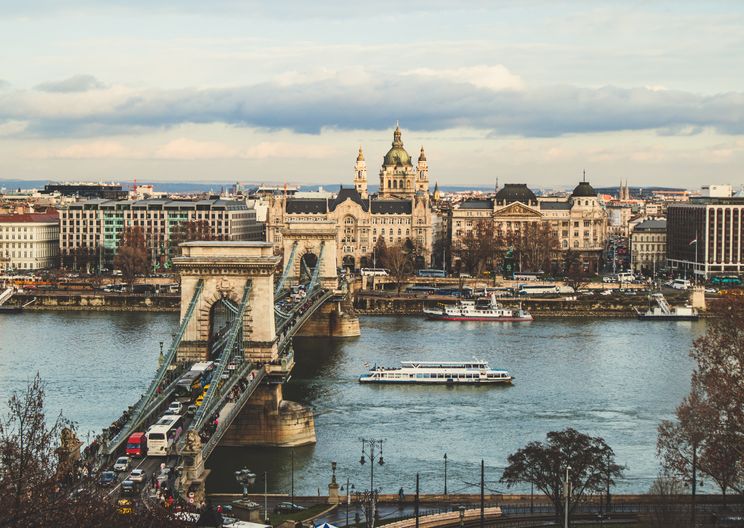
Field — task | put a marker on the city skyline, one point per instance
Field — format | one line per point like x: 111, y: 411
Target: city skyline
x: 524, y: 92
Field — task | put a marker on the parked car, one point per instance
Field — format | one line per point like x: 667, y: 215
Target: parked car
x: 287, y: 507
x: 137, y: 475
x: 175, y: 407
x: 121, y: 464
x: 606, y: 292
x: 107, y: 478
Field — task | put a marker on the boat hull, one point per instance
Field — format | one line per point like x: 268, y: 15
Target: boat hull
x: 499, y: 381
x: 442, y: 317
x: 670, y: 317
x: 11, y: 309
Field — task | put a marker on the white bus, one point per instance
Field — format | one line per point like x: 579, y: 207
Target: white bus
x: 625, y: 276
x: 162, y: 435
x: 525, y: 289
x: 376, y: 272
x: 529, y: 275
x: 681, y: 284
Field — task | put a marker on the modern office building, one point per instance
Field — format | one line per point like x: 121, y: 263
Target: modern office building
x: 96, y: 225
x: 704, y: 236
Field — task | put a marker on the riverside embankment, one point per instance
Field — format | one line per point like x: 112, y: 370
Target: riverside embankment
x: 96, y: 301
x: 366, y: 302
x: 386, y: 303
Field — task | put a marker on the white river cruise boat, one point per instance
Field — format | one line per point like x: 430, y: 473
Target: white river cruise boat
x: 478, y: 310
x: 473, y: 372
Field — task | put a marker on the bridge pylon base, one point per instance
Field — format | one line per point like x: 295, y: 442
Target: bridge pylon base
x: 333, y: 319
x: 267, y: 420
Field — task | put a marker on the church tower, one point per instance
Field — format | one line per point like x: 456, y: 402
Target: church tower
x: 422, y: 176
x: 398, y: 178
x: 360, y: 174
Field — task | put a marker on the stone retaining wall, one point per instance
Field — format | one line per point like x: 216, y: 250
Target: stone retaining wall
x: 87, y: 301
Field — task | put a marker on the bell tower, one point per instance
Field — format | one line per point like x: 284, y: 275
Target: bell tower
x: 360, y: 174
x: 422, y: 173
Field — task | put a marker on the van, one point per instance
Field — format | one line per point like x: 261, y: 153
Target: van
x: 681, y: 284
x: 175, y: 407
x: 137, y: 445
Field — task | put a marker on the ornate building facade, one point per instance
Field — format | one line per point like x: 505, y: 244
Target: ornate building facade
x: 400, y: 211
x: 579, y: 221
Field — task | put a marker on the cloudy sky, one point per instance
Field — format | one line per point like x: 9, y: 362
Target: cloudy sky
x: 524, y: 91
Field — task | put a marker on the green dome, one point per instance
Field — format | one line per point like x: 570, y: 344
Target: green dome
x: 397, y: 154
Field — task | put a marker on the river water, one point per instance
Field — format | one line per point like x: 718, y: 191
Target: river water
x: 607, y: 377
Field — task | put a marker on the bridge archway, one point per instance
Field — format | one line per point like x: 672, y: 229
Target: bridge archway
x: 227, y: 270
x: 316, y: 238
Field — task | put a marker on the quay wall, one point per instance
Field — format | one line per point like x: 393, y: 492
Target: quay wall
x: 97, y: 301
x: 375, y: 303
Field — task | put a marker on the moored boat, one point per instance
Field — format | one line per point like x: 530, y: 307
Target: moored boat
x: 486, y: 309
x: 473, y: 372
x: 660, y: 310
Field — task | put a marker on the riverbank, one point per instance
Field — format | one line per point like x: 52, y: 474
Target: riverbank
x: 96, y: 301
x: 365, y: 303
x: 616, y: 306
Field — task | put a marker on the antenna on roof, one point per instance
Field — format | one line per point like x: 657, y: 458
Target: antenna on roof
x: 584, y: 175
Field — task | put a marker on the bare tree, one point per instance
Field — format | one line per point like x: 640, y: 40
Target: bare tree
x: 131, y: 256
x: 40, y: 484
x: 592, y: 463
x: 399, y: 260
x: 574, y: 274
x: 477, y: 248
x: 665, y: 509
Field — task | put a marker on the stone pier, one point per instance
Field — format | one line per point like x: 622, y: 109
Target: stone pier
x: 268, y: 420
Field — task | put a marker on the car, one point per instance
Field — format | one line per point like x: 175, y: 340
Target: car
x: 287, y: 507
x: 121, y: 464
x: 107, y: 478
x: 128, y: 487
x: 125, y: 506
x: 137, y: 475
x: 605, y: 292
x: 608, y: 279
x: 175, y: 407
x: 191, y: 410
x: 711, y: 290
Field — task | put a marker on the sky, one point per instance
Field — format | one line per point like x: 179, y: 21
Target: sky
x: 528, y: 91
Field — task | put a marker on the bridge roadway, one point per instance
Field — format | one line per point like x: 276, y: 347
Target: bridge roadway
x: 238, y: 377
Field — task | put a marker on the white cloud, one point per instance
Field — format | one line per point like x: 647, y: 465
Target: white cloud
x: 278, y: 149
x: 496, y: 77
x: 189, y: 149
x: 12, y: 127
x: 103, y: 149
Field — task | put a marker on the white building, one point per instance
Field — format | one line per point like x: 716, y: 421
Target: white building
x: 29, y: 241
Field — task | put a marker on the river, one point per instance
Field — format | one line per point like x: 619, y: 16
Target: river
x: 607, y: 377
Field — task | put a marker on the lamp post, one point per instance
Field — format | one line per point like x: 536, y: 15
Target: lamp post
x: 445, y: 474
x: 291, y: 489
x: 568, y: 494
x: 372, y: 451
x: 462, y: 516
x: 266, y: 502
x: 246, y: 478
x: 349, y: 489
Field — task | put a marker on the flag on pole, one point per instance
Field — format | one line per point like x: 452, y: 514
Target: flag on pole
x: 692, y: 242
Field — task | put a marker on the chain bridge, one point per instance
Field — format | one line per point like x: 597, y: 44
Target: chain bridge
x: 240, y: 314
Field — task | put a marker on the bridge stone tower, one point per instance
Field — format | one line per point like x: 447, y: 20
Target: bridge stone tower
x: 224, y: 268
x: 309, y: 237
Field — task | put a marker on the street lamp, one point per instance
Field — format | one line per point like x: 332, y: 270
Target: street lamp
x: 372, y: 451
x: 349, y: 489
x: 445, y: 474
x: 568, y: 493
x: 266, y: 505
x: 462, y: 516
x: 246, y: 478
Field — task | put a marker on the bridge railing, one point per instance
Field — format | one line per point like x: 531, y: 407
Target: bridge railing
x: 227, y: 420
x: 288, y: 330
x: 138, y: 413
x: 287, y: 266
